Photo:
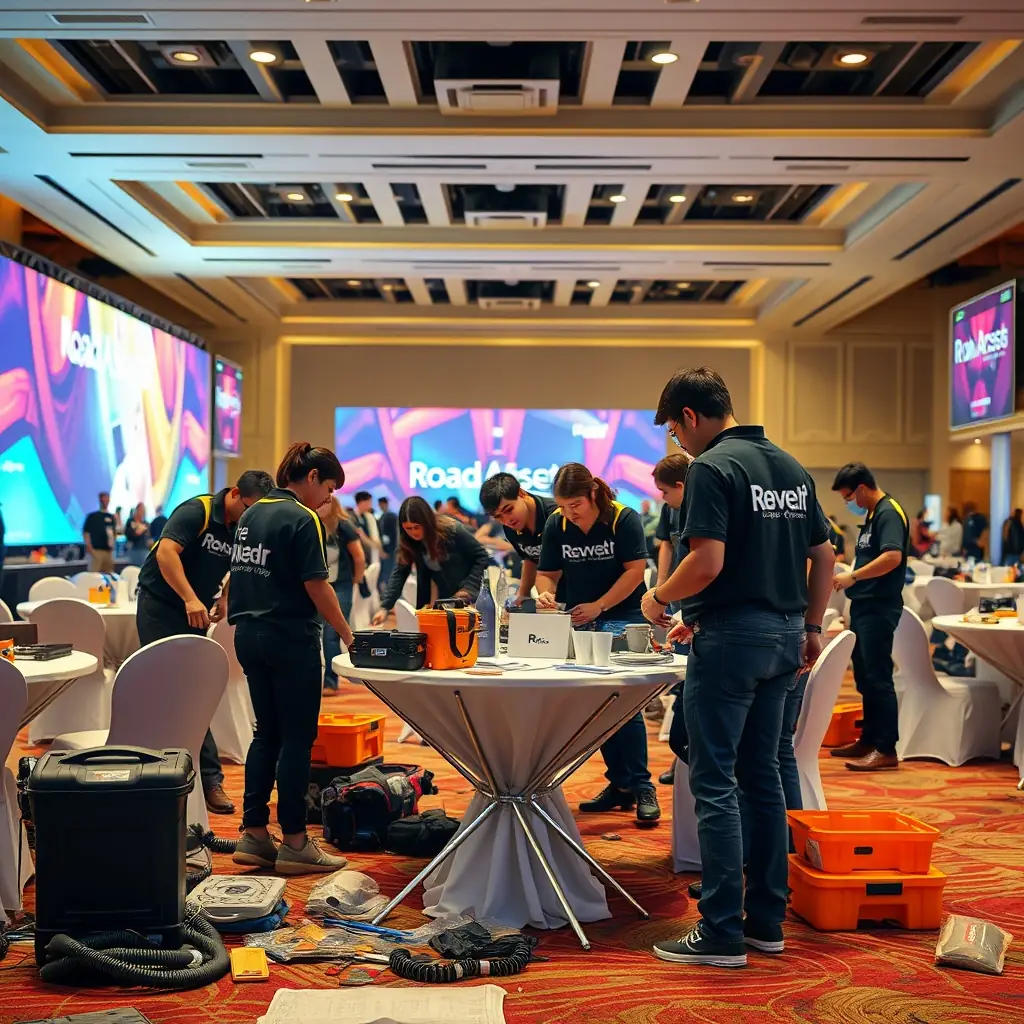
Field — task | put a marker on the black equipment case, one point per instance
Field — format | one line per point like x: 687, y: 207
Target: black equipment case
x: 406, y: 652
x: 110, y: 842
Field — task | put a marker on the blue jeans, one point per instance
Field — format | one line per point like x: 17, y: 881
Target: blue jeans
x: 332, y: 642
x: 742, y: 665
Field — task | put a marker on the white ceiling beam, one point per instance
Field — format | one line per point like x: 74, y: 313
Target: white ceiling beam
x: 757, y: 71
x: 435, y: 205
x: 341, y: 208
x: 319, y: 66
x: 384, y: 203
x: 456, y: 291
x: 604, y: 61
x: 602, y: 296
x: 393, y: 67
x: 575, y: 201
x: 564, y: 288
x: 259, y: 74
x: 675, y: 79
x: 624, y: 215
x: 679, y: 210
x: 420, y: 292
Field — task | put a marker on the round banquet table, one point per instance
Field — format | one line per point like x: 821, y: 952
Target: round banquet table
x: 48, y: 679
x: 122, y: 638
x: 915, y: 595
x: 518, y: 857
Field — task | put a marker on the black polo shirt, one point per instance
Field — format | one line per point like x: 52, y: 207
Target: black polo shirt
x: 345, y: 535
x: 885, y: 529
x: 591, y: 563
x: 526, y: 541
x: 758, y: 500
x: 102, y: 529
x: 279, y: 545
x: 669, y: 530
x: 198, y: 526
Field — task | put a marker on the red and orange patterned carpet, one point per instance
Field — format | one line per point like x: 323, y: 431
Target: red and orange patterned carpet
x: 866, y: 977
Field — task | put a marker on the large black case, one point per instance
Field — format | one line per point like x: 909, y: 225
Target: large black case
x: 406, y: 652
x: 110, y: 841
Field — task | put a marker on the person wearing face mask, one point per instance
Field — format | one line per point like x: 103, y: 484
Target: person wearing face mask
x: 751, y: 522
x: 875, y: 589
x: 279, y: 591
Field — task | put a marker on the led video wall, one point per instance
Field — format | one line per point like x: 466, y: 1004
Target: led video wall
x: 442, y: 453
x: 92, y: 399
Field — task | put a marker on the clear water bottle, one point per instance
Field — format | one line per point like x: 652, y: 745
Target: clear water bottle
x: 488, y: 639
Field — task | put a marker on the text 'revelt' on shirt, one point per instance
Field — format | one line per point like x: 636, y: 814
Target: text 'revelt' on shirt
x: 279, y: 545
x: 591, y: 563
x: 761, y: 503
x: 885, y: 529
x: 198, y: 526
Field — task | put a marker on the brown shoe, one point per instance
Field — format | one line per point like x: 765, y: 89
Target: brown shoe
x: 876, y: 761
x: 217, y: 801
x: 853, y: 751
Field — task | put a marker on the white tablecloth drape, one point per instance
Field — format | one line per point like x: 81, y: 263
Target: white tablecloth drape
x: 122, y: 638
x: 46, y: 679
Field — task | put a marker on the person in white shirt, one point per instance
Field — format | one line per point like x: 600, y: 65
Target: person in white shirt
x: 951, y: 534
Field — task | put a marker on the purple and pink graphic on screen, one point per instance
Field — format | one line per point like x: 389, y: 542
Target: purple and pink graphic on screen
x: 442, y: 453
x: 92, y: 399
x: 227, y: 408
x: 982, y: 371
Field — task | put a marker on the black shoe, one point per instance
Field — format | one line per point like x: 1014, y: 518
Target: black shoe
x: 696, y: 949
x: 609, y: 799
x: 693, y: 890
x: 668, y: 778
x: 765, y: 938
x: 647, y: 809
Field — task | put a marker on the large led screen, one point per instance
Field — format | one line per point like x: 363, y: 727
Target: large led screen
x: 982, y: 352
x: 92, y: 399
x: 442, y: 453
x: 227, y: 407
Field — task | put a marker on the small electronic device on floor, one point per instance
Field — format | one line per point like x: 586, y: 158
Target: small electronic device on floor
x: 229, y: 898
x: 249, y: 964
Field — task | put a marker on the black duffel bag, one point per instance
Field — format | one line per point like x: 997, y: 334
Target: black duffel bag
x: 421, y: 835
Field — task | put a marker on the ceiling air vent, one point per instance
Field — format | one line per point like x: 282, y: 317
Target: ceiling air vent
x: 465, y: 96
x: 99, y: 20
x: 219, y: 165
x: 508, y: 303
x: 913, y: 20
x: 506, y: 219
x: 506, y: 206
x: 483, y: 80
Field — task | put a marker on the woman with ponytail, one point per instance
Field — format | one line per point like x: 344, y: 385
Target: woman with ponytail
x: 596, y: 548
x: 279, y: 591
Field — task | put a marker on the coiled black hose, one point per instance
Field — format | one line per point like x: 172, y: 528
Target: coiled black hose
x: 438, y: 972
x: 130, y: 959
x: 206, y: 838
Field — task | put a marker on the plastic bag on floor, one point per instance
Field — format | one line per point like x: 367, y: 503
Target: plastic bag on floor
x: 972, y: 944
x: 349, y: 894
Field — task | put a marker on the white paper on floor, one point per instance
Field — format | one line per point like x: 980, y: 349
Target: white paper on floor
x: 425, y: 1004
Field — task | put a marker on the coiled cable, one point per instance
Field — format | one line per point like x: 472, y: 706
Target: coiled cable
x: 437, y: 972
x: 206, y: 838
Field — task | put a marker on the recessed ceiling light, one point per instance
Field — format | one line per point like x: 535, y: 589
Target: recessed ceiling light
x: 851, y: 59
x: 682, y: 284
x: 616, y: 199
x: 353, y: 283
x: 296, y: 197
x: 977, y: 440
x: 263, y: 56
x: 677, y: 199
x: 504, y: 186
x: 665, y: 58
x: 185, y: 56
x: 593, y: 284
x: 344, y: 197
x: 742, y: 197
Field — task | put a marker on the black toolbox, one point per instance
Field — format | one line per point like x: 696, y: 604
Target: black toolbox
x: 405, y: 652
x: 110, y: 841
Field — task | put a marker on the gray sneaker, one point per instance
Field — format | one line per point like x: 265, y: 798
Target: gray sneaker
x: 309, y: 860
x: 255, y: 853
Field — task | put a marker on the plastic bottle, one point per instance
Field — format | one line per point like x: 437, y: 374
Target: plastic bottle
x: 501, y: 616
x: 487, y: 641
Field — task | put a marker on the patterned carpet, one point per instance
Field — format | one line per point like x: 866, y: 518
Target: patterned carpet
x: 867, y: 977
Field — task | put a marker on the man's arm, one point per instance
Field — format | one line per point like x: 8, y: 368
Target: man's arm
x: 322, y: 594
x: 527, y: 580
x: 168, y: 559
x: 819, y: 587
x: 666, y: 550
x: 884, y: 563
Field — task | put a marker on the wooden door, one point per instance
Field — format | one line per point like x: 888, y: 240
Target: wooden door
x: 970, y: 485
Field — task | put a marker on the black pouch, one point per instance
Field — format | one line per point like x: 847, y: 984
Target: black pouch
x: 421, y: 835
x: 406, y: 652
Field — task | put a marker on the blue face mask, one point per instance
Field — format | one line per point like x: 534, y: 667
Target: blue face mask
x: 854, y: 509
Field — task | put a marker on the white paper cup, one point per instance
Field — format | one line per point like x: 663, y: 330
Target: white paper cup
x: 602, y: 647
x: 582, y: 644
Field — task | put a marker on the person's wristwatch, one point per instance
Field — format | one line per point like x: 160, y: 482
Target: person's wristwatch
x: 812, y: 629
x: 658, y: 600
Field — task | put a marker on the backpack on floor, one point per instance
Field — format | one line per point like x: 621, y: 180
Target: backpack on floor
x: 421, y: 835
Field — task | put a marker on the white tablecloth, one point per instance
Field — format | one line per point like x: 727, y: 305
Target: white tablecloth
x: 915, y: 594
x: 122, y: 638
x: 523, y: 720
x: 46, y: 679
x: 1000, y: 644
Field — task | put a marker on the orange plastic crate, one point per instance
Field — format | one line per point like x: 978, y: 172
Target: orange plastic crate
x: 845, y: 725
x: 837, y: 903
x: 838, y: 842
x: 347, y: 740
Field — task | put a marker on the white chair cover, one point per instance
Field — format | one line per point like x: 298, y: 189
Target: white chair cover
x: 51, y: 586
x: 13, y: 698
x: 5, y: 613
x: 130, y: 575
x: 685, y: 847
x: 86, y: 703
x: 668, y: 702
x: 949, y: 719
x: 234, y: 719
x: 828, y: 618
x: 165, y: 696
x: 820, y: 696
x: 406, y: 621
x: 84, y: 581
x: 944, y: 596
x: 362, y: 607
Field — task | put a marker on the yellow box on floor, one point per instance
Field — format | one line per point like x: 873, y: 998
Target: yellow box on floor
x: 842, y: 841
x: 836, y: 903
x: 345, y: 740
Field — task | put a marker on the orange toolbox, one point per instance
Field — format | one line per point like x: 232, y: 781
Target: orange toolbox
x: 842, y: 841
x: 836, y: 903
x: 845, y: 725
x: 348, y: 739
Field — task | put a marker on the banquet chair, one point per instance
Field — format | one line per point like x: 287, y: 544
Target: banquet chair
x: 406, y: 622
x: 51, y: 586
x: 828, y: 618
x: 820, y: 697
x: 5, y: 613
x: 85, y: 581
x: 949, y: 719
x: 86, y: 703
x: 165, y: 696
x: 130, y: 575
x: 362, y: 607
x: 945, y: 597
x: 232, y: 724
x: 13, y: 698
x: 685, y: 846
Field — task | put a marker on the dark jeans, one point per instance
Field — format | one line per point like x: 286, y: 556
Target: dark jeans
x: 742, y: 665
x: 157, y: 620
x: 872, y: 672
x: 332, y: 642
x: 283, y: 670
